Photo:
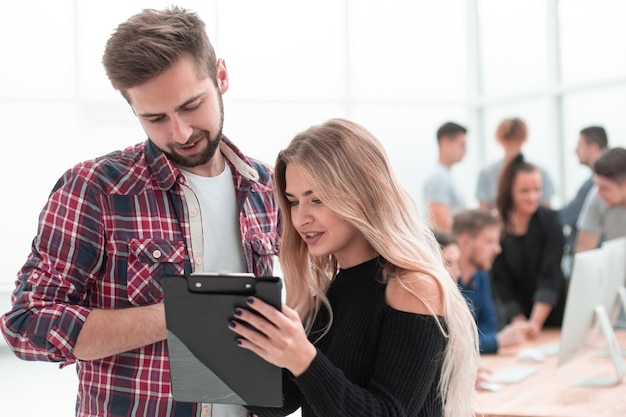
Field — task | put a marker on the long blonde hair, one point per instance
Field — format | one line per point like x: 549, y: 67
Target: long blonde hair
x: 349, y: 171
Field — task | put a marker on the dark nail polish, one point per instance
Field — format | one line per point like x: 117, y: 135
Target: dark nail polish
x: 237, y: 312
x: 231, y: 324
x: 250, y: 300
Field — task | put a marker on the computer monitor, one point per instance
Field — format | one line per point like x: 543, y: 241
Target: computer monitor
x: 590, y: 310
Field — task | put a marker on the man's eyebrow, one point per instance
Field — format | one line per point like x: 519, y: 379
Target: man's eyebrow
x: 178, y: 108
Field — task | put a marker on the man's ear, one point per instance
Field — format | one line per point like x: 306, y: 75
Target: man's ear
x: 464, y: 240
x: 222, y: 76
x: 595, y: 148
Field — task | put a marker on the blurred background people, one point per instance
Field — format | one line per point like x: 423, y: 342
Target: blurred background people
x: 450, y: 252
x: 603, y: 216
x: 511, y: 134
x: 527, y: 274
x: 592, y: 142
x: 477, y: 236
x: 441, y: 195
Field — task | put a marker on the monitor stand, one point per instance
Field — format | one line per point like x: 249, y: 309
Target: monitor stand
x: 614, y: 352
x: 621, y: 312
x: 622, y: 297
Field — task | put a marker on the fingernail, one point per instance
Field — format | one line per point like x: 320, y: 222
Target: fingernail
x: 231, y: 324
x: 237, y: 312
x: 238, y: 341
x: 250, y: 300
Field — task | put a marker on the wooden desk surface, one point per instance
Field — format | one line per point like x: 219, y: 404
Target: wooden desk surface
x: 547, y: 392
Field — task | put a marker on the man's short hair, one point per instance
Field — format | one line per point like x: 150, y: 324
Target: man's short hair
x: 612, y: 164
x: 152, y: 41
x: 450, y: 130
x: 595, y: 134
x: 472, y: 222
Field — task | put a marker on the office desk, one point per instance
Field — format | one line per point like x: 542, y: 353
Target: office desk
x: 547, y: 392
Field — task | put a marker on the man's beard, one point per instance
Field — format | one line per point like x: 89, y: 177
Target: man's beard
x: 200, y: 158
x: 205, y: 155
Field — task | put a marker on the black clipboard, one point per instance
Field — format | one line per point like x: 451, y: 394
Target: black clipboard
x: 206, y: 364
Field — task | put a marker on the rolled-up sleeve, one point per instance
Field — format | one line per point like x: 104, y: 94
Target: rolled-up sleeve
x: 48, y: 303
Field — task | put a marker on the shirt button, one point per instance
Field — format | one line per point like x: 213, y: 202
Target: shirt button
x: 206, y: 410
x: 193, y: 212
x: 198, y: 261
x: 157, y: 254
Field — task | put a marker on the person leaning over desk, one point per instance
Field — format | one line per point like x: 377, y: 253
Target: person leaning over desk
x: 373, y: 324
x: 477, y: 233
x: 527, y: 274
x: 184, y: 200
x: 603, y: 216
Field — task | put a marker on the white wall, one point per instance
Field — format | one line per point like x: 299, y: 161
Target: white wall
x: 391, y: 66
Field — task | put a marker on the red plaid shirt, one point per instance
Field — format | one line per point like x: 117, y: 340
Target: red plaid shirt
x: 111, y: 228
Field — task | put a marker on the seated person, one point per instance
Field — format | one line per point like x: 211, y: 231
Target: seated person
x: 450, y: 252
x: 476, y: 235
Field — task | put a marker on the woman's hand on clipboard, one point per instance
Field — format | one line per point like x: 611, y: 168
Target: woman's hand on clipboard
x: 278, y: 337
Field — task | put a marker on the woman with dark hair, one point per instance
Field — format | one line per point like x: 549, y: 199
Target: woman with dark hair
x: 527, y: 274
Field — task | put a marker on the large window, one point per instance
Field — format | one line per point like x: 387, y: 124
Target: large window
x: 513, y: 45
x: 592, y: 37
x: 400, y: 67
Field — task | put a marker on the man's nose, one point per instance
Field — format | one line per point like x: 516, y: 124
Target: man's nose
x: 181, y: 130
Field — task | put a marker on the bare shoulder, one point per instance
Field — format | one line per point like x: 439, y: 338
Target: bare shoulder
x: 415, y: 293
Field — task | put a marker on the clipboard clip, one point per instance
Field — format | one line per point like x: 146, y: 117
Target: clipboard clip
x: 219, y: 283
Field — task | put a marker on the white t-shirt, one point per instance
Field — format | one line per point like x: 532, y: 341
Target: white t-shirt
x: 222, y: 246
x: 221, y: 236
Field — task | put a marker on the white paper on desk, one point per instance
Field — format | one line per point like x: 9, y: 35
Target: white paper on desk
x: 512, y: 375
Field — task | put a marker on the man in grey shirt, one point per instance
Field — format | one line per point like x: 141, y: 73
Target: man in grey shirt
x: 603, y: 215
x: 441, y: 195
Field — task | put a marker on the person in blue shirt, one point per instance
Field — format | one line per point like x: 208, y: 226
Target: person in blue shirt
x: 477, y: 233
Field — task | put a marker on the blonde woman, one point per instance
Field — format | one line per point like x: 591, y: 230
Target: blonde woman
x: 373, y: 326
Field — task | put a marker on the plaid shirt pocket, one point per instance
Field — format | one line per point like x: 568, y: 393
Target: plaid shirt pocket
x: 148, y: 260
